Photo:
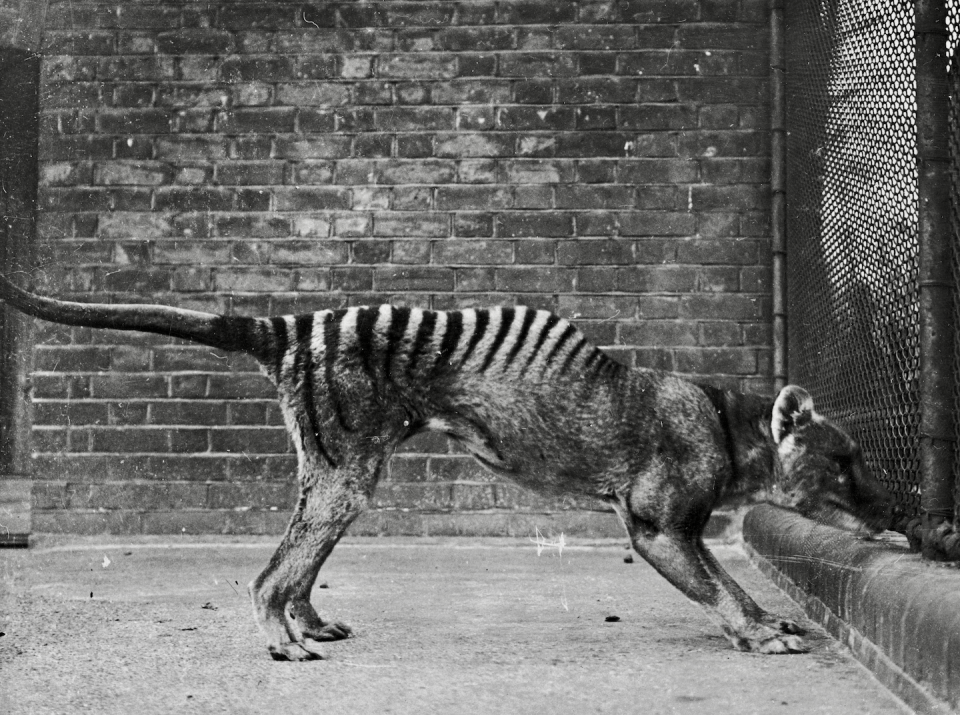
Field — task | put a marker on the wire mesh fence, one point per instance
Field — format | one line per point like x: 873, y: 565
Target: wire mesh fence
x: 953, y: 90
x: 852, y: 223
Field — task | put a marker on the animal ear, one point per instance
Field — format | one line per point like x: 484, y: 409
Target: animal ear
x: 793, y: 408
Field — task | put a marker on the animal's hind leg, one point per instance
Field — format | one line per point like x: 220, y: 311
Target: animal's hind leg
x: 281, y: 593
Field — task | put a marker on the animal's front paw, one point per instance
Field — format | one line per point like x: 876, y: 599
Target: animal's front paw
x: 767, y: 641
x: 783, y: 625
x: 779, y: 644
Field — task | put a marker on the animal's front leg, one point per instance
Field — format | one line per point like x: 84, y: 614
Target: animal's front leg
x: 686, y: 563
x: 748, y: 626
x: 281, y: 593
x: 748, y: 605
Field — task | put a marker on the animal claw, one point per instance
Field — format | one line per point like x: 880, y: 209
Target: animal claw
x: 304, y: 650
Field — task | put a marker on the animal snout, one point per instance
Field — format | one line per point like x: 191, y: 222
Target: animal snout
x: 897, y: 513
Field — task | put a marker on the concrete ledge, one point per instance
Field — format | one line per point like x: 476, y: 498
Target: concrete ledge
x: 14, y: 512
x: 899, y: 615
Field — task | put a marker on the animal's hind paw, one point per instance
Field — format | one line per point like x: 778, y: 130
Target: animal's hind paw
x: 306, y: 649
x: 309, y: 625
x: 327, y: 632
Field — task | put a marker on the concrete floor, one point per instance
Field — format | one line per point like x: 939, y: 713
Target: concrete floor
x: 150, y: 625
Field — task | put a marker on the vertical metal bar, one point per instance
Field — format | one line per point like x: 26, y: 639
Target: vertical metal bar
x: 935, y: 279
x: 778, y: 188
x: 20, y: 43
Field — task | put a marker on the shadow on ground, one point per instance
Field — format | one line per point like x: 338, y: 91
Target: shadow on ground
x: 119, y: 625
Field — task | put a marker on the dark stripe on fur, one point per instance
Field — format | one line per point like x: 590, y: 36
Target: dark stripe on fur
x: 564, y: 337
x: 451, y: 339
x: 571, y: 356
x: 483, y: 317
x: 544, y: 332
x: 424, y: 334
x: 366, y: 321
x: 506, y: 320
x: 718, y: 399
x: 281, y: 345
x: 595, y: 355
x: 613, y: 368
x: 331, y: 342
x: 399, y: 318
x: 303, y: 363
x: 528, y: 319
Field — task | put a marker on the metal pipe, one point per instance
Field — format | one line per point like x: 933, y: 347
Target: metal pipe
x: 778, y: 189
x: 935, y: 276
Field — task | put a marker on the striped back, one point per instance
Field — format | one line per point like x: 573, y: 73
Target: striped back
x: 400, y: 345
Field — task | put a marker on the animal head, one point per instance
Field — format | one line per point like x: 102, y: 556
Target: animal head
x: 824, y: 475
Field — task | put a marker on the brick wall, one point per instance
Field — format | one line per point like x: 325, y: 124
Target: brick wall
x: 606, y: 160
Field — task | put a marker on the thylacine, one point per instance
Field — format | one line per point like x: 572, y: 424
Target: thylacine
x: 532, y: 400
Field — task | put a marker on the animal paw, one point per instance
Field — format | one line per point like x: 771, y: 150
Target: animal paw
x: 327, y: 631
x: 779, y: 644
x: 306, y: 649
x: 306, y: 622
x: 783, y: 625
x: 767, y: 640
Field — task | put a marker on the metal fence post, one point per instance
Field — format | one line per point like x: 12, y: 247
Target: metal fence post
x: 935, y: 279
x: 778, y: 188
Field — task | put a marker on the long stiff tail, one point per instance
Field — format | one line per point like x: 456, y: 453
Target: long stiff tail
x: 226, y: 332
